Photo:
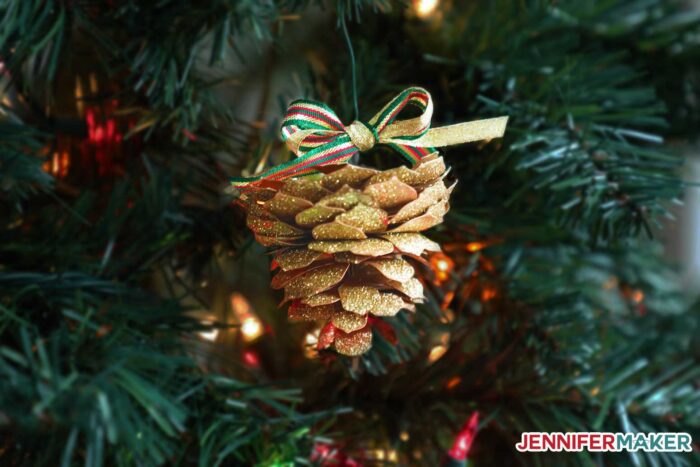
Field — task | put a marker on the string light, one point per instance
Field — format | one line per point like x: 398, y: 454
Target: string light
x: 488, y: 294
x: 442, y: 265
x: 310, y: 341
x: 634, y: 297
x: 463, y: 442
x: 239, y: 304
x: 447, y: 315
x: 79, y: 101
x: 425, y: 8
x: 92, y: 78
x: 473, y: 247
x: 209, y: 334
x: 436, y: 352
x: 390, y: 455
x: 326, y: 455
x: 453, y: 382
x: 440, y: 349
x: 637, y: 296
x: 251, y: 326
x: 59, y: 164
x: 251, y: 359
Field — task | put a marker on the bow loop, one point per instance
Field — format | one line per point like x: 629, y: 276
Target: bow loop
x: 315, y: 134
x: 383, y: 121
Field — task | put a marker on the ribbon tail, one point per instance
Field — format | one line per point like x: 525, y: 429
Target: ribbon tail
x: 459, y: 133
x: 412, y: 154
x: 337, y: 152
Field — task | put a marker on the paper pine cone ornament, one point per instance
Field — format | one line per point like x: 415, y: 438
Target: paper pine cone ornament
x: 346, y: 239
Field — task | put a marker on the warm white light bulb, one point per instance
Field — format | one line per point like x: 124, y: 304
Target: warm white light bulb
x: 436, y: 352
x: 251, y: 327
x: 209, y: 335
x: 425, y: 8
x: 311, y: 339
x: 443, y: 265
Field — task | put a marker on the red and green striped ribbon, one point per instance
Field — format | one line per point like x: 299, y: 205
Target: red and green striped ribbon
x: 317, y: 136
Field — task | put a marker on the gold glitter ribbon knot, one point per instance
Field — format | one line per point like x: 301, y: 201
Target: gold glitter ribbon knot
x: 360, y: 135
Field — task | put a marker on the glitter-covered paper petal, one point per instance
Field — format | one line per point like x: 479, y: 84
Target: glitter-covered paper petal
x: 390, y: 304
x: 331, y: 246
x: 360, y: 299
x: 325, y: 298
x: 372, y: 247
x: 353, y: 344
x: 286, y: 206
x: 396, y: 269
x: 318, y: 214
x: 412, y: 288
x: 429, y: 170
x: 296, y: 258
x: 259, y: 194
x: 305, y: 188
x: 272, y: 228
x: 367, y: 218
x: 337, y: 231
x: 256, y: 208
x: 315, y: 281
x: 347, y: 257
x: 350, y: 175
x: 282, y: 278
x: 265, y: 240
x: 345, y: 198
x: 427, y: 198
x: 432, y: 217
x: 413, y: 243
x: 348, y: 322
x: 418, y: 224
x: 439, y: 209
x: 391, y: 193
x: 401, y: 172
x: 368, y: 247
x: 311, y: 313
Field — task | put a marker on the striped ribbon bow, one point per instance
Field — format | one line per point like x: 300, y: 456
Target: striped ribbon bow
x: 316, y: 135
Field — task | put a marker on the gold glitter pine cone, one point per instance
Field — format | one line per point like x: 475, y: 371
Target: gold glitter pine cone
x: 345, y: 242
